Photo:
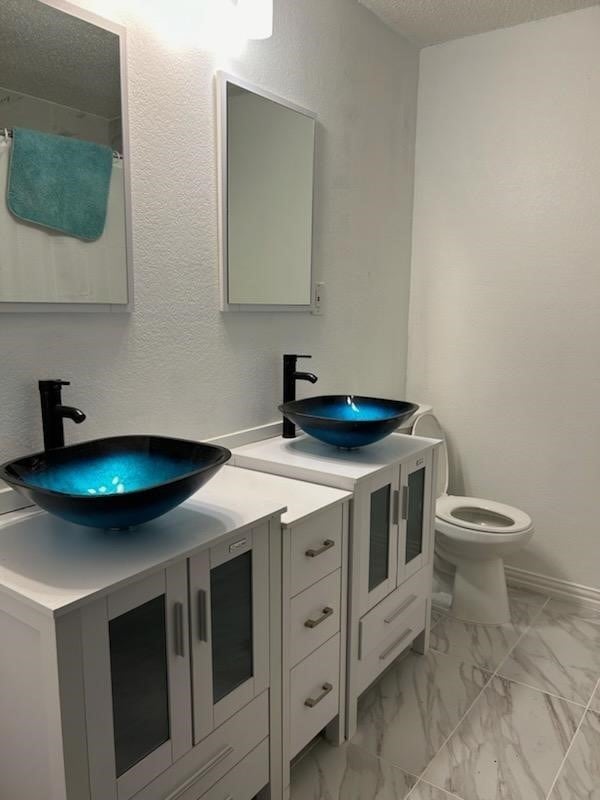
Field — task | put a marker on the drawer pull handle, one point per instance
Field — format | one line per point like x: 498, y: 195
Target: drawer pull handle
x: 179, y: 637
x: 312, y: 623
x: 202, y: 616
x: 396, y: 506
x: 327, y: 545
x: 395, y: 644
x: 408, y: 602
x: 311, y: 702
x: 204, y: 770
x: 405, y: 501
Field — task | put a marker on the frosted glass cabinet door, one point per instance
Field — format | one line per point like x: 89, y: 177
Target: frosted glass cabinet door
x: 378, y: 501
x: 229, y: 625
x: 415, y: 535
x: 137, y: 678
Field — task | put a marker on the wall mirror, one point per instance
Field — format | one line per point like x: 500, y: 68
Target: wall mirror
x: 64, y: 165
x: 266, y: 166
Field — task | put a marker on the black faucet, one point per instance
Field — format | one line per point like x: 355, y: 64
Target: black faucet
x: 53, y: 413
x: 290, y: 376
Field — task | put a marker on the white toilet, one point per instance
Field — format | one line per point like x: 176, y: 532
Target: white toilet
x: 474, y: 535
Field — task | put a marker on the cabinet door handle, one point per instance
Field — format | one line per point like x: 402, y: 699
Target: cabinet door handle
x: 405, y: 498
x: 327, y: 545
x: 395, y: 644
x: 311, y: 702
x: 179, y: 637
x: 206, y: 768
x: 202, y: 616
x: 409, y: 601
x: 312, y: 623
x: 396, y: 506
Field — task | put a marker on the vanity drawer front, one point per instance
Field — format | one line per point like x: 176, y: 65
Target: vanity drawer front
x: 403, y: 632
x: 214, y: 757
x: 314, y: 616
x: 245, y: 781
x: 392, y: 611
x: 314, y: 694
x: 316, y: 548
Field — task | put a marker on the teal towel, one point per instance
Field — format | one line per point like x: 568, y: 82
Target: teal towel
x: 59, y: 183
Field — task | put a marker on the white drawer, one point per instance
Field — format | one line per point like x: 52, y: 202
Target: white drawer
x: 314, y: 616
x: 314, y: 694
x: 389, y: 613
x: 244, y: 781
x: 316, y: 548
x: 402, y: 633
x: 212, y: 758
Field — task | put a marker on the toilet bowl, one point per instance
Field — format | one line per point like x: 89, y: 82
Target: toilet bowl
x: 474, y: 535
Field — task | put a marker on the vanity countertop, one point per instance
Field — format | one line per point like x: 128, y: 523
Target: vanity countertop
x: 55, y: 566
x: 303, y: 499
x: 305, y: 458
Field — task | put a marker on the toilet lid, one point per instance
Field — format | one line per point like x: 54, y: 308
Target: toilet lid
x: 428, y: 426
x: 478, y: 514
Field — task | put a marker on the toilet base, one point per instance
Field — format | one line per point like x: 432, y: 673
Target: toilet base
x: 480, y: 593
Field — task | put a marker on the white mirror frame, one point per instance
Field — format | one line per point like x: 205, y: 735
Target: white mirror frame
x: 222, y: 79
x: 120, y: 31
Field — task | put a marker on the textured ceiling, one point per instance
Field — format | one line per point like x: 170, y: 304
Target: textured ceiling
x: 53, y: 55
x: 426, y: 22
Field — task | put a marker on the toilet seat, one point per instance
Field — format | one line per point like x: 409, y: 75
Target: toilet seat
x: 467, y: 513
x: 477, y: 514
x: 475, y: 536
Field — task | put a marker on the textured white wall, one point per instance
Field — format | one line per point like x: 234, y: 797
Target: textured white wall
x: 177, y: 365
x: 505, y: 298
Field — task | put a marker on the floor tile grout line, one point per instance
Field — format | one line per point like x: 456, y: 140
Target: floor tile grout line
x: 385, y: 761
x: 572, y: 742
x: 525, y: 630
x: 498, y: 673
x: 540, y: 691
x: 458, y: 724
x: 419, y: 776
x: 435, y: 786
x: 494, y: 671
x: 492, y: 675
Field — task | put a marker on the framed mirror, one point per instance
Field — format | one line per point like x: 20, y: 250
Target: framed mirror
x: 65, y: 233
x: 266, y: 180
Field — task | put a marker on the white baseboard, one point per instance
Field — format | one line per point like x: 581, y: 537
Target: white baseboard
x: 535, y: 582
x: 554, y: 587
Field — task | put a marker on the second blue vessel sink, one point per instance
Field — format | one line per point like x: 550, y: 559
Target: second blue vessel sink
x: 348, y: 421
x: 116, y: 482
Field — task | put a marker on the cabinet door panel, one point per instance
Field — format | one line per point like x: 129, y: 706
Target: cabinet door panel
x: 229, y: 622
x: 415, y: 532
x: 376, y: 504
x: 137, y: 679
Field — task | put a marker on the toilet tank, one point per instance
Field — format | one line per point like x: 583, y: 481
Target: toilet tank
x: 406, y: 427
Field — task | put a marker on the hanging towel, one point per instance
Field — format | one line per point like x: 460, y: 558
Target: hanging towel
x: 59, y: 183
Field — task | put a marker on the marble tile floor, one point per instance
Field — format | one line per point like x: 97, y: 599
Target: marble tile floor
x: 507, y: 712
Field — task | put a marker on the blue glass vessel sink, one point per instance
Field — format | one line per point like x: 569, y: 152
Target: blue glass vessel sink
x: 348, y: 421
x: 116, y: 482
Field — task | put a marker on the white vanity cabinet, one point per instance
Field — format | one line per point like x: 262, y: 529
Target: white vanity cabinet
x: 391, y: 540
x: 144, y: 665
x: 314, y: 591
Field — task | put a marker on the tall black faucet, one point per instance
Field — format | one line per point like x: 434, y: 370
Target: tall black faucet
x: 53, y: 413
x: 290, y: 376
